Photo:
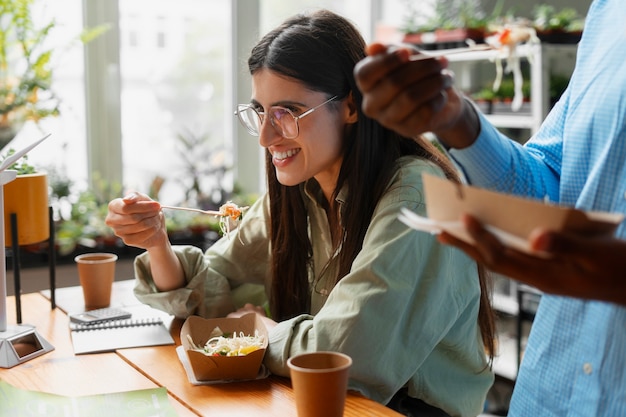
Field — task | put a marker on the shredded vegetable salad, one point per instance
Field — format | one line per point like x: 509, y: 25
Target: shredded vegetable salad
x: 226, y: 345
x: 230, y: 215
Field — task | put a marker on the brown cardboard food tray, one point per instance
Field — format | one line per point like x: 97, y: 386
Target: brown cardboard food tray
x: 224, y: 368
x: 514, y: 215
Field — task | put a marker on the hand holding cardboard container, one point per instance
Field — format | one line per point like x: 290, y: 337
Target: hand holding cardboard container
x: 511, y: 218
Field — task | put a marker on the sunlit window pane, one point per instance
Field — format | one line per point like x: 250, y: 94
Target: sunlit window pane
x: 173, y: 62
x: 273, y: 12
x: 64, y: 153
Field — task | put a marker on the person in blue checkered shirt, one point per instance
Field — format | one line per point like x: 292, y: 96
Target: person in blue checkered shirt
x: 575, y: 360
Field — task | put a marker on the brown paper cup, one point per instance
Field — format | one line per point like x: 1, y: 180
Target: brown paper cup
x: 320, y: 383
x: 96, y: 272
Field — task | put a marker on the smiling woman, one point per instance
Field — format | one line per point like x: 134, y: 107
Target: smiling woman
x: 339, y: 270
x: 313, y: 149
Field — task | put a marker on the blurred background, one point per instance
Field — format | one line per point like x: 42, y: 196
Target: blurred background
x: 149, y: 103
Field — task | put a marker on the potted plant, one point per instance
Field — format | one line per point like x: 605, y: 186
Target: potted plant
x: 557, y: 26
x: 453, y: 23
x: 26, y: 71
x: 84, y: 225
x: 499, y: 101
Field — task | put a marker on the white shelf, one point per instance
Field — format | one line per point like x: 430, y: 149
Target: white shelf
x: 522, y: 51
x: 540, y: 57
x: 513, y: 121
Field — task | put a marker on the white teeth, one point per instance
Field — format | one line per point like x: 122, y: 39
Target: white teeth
x: 285, y: 155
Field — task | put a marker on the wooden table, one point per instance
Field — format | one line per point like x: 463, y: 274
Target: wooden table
x: 61, y: 372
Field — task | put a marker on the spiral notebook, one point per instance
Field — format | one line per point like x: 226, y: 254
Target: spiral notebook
x: 119, y: 334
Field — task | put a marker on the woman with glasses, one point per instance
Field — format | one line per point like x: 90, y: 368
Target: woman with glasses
x: 339, y: 269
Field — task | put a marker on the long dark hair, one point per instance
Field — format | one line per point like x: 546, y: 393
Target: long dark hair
x: 321, y: 50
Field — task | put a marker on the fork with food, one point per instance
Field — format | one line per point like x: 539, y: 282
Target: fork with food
x: 228, y: 212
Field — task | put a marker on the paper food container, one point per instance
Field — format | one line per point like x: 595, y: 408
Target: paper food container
x: 511, y: 218
x: 215, y: 368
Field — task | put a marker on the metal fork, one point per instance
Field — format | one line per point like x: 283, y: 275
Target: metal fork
x: 211, y: 212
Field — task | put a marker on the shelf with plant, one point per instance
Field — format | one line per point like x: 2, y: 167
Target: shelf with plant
x: 493, y: 102
x: 79, y: 213
x: 452, y: 23
x: 83, y: 228
x: 557, y: 25
x: 499, y: 101
x: 79, y: 219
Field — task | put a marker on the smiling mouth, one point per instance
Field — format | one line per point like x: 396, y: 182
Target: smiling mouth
x: 280, y: 156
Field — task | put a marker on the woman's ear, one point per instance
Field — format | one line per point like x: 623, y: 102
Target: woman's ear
x: 350, y: 110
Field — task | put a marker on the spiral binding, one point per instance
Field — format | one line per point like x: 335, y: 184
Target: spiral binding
x: 116, y: 324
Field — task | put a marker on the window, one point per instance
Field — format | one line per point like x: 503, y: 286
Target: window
x: 175, y: 91
x: 160, y: 33
x: 273, y: 12
x: 172, y: 96
x: 64, y: 153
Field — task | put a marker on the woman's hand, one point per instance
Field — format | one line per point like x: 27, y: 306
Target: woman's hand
x: 258, y: 310
x: 583, y: 267
x: 138, y: 221
x: 413, y: 97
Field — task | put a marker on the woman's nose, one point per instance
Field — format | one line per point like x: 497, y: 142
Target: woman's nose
x: 268, y: 134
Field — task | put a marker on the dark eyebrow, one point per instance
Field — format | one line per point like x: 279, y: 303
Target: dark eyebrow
x: 284, y: 103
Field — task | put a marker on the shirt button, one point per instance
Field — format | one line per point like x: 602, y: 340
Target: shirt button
x: 587, y: 368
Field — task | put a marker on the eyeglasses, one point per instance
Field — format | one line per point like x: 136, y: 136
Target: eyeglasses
x: 282, y: 119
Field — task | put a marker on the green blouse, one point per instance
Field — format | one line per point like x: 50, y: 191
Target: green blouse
x: 406, y: 313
